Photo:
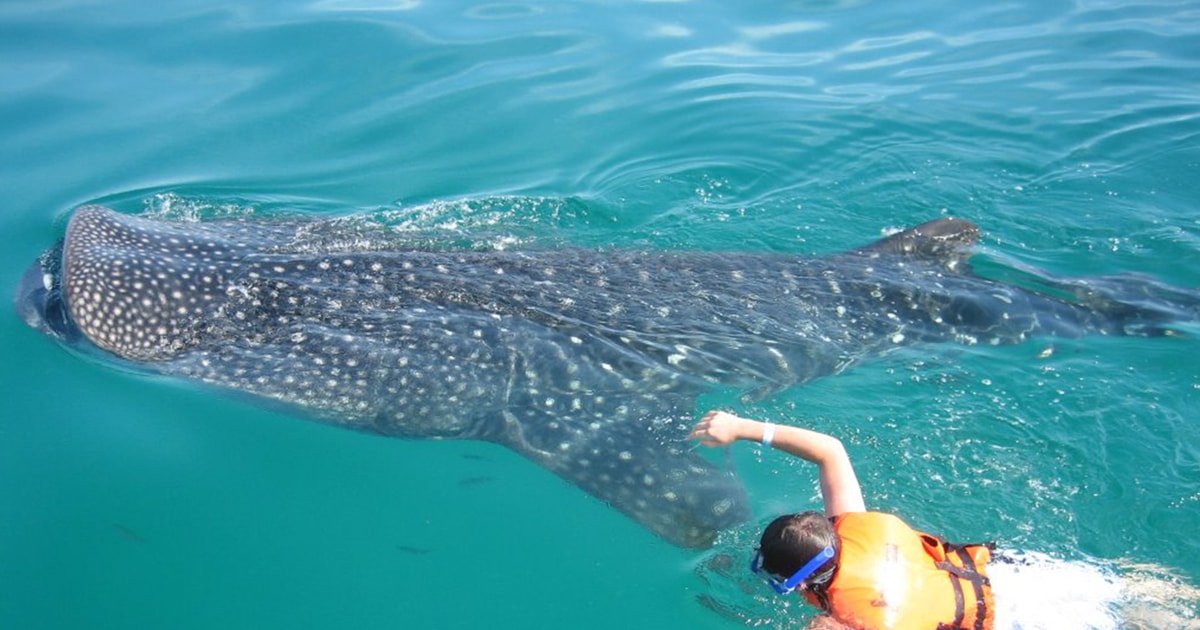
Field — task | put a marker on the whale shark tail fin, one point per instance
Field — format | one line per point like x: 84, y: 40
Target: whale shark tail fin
x: 1130, y: 304
x: 941, y: 238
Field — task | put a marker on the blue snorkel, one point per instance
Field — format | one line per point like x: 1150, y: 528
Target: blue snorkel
x: 783, y: 587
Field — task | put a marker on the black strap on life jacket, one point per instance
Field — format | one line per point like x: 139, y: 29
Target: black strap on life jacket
x: 968, y: 572
x: 959, y: 603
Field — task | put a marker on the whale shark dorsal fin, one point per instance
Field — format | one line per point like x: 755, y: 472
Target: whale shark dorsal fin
x: 947, y: 238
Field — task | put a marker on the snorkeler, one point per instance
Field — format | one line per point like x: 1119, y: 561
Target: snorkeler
x: 871, y: 571
x: 866, y: 570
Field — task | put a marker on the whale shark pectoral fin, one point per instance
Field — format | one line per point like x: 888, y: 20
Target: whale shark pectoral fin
x: 634, y: 466
x: 940, y: 238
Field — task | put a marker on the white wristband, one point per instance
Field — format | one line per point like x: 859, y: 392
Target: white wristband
x: 768, y: 434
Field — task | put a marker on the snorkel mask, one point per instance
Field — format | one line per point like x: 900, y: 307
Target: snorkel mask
x: 783, y: 587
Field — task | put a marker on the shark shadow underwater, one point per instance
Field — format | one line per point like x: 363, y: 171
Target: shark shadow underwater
x: 586, y: 362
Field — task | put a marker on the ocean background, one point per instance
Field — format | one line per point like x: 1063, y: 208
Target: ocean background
x: 1069, y: 131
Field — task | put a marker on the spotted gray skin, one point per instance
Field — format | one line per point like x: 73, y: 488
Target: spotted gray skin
x: 586, y: 362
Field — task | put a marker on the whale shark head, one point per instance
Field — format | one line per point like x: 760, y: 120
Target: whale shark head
x: 40, y: 301
x: 133, y: 287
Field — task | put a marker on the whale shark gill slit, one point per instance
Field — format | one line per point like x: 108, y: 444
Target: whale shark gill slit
x: 586, y: 362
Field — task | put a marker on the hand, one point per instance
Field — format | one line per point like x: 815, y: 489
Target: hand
x: 718, y: 428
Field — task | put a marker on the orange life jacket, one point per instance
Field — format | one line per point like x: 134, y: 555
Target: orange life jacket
x: 892, y: 577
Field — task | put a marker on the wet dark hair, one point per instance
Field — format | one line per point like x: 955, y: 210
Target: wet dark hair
x: 791, y: 540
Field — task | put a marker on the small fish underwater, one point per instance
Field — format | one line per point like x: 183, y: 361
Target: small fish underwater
x: 586, y: 361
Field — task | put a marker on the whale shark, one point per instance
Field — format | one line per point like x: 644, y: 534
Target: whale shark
x: 586, y: 361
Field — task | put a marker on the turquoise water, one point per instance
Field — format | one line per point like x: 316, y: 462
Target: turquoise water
x: 1069, y: 131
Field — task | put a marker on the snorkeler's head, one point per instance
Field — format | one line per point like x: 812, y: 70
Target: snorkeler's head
x: 792, y: 541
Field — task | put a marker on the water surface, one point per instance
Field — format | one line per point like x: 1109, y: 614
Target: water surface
x: 1070, y: 131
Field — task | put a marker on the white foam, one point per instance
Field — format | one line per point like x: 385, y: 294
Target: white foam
x: 1039, y: 592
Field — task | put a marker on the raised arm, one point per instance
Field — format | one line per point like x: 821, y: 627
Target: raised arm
x: 839, y: 485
